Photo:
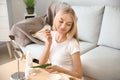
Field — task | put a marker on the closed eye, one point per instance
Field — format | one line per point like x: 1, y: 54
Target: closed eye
x: 60, y: 21
x: 69, y: 24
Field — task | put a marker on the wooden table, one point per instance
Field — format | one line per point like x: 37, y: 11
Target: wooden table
x: 11, y: 67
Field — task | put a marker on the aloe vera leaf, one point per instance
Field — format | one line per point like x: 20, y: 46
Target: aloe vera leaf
x: 42, y: 66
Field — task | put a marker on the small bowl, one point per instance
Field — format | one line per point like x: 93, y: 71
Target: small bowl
x: 54, y: 76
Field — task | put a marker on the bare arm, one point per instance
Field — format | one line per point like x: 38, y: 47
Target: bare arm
x: 45, y: 54
x: 77, y: 72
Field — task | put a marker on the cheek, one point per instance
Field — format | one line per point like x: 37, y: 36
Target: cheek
x: 57, y: 25
x: 68, y: 29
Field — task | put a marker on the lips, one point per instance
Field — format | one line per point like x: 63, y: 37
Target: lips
x: 61, y: 29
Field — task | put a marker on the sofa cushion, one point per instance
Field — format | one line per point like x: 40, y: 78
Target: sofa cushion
x: 86, y: 46
x: 34, y: 49
x: 102, y: 63
x: 89, y: 22
x: 109, y: 35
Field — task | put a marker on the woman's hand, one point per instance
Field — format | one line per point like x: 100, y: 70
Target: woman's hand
x: 47, y: 34
x: 53, y: 68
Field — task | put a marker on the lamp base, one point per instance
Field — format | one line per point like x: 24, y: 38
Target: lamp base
x: 18, y: 76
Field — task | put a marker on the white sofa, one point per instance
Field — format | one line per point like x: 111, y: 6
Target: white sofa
x: 100, y: 27
x: 98, y: 31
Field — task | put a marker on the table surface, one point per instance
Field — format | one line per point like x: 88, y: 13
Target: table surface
x: 11, y: 67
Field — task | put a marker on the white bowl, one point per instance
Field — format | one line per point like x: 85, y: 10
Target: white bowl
x: 54, y: 76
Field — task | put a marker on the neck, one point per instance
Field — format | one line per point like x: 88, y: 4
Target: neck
x: 60, y: 37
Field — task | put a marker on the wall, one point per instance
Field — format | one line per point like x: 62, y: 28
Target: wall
x: 17, y: 8
x: 10, y: 15
x: 16, y: 11
x: 4, y: 23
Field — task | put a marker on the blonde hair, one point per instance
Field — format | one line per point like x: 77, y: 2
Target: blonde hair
x: 73, y: 31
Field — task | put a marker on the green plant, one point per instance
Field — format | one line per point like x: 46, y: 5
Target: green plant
x: 29, y: 3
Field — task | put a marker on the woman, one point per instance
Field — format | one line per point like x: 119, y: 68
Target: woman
x: 62, y: 46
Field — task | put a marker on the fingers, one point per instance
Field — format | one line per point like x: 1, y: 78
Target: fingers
x: 49, y: 69
x: 47, y: 34
x: 52, y: 68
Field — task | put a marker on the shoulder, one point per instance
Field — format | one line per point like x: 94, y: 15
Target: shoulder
x: 74, y: 46
x: 73, y: 40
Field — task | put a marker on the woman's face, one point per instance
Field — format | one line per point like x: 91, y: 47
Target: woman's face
x: 64, y: 23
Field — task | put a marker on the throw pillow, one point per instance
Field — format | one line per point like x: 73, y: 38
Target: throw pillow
x: 89, y: 22
x: 110, y: 31
x: 39, y: 34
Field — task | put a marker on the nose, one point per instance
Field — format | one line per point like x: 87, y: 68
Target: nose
x: 63, y: 26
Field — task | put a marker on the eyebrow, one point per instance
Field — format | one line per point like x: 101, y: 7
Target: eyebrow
x: 67, y: 22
